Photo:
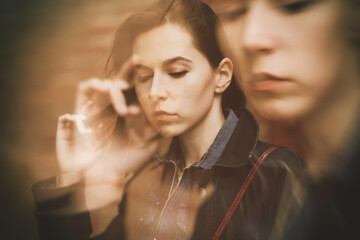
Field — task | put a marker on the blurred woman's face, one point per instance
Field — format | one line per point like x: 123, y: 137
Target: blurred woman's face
x: 290, y: 53
x: 174, y: 82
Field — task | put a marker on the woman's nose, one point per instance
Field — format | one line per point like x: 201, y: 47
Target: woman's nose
x: 258, y: 34
x: 158, y: 88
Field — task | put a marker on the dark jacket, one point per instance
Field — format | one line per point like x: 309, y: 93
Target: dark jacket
x: 162, y: 202
x: 339, y: 190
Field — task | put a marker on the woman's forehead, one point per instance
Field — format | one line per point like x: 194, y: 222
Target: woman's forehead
x: 168, y: 37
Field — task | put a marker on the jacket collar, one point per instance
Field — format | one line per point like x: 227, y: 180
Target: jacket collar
x: 212, y: 156
x: 242, y: 142
x: 232, y: 146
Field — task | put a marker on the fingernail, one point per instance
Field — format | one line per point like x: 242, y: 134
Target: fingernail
x: 134, y: 110
x: 122, y: 110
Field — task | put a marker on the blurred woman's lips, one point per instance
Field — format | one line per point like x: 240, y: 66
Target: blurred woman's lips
x: 161, y: 115
x: 266, y: 81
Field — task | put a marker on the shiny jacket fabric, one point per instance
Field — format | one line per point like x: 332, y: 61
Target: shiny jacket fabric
x: 164, y: 202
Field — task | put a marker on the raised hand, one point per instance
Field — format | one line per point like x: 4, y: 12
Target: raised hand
x: 106, y: 141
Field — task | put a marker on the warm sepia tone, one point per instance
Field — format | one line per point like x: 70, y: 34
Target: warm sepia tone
x: 53, y: 45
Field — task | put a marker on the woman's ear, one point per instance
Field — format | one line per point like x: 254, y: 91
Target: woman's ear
x: 224, y: 74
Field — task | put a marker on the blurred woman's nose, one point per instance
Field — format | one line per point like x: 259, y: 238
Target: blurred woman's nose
x: 158, y: 88
x: 257, y: 33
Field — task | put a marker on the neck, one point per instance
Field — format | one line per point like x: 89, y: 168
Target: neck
x: 196, y: 142
x: 326, y: 133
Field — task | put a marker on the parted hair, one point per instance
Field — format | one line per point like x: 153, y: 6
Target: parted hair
x: 193, y: 16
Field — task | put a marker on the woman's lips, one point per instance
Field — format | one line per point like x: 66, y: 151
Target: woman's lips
x: 163, y: 115
x: 267, y: 82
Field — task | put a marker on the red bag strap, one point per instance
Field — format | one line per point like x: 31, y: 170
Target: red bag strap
x: 241, y: 192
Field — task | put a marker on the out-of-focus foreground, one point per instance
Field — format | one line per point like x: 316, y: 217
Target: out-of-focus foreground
x: 46, y: 49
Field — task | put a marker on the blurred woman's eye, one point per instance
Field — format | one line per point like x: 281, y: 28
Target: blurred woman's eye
x: 178, y: 74
x: 142, y: 79
x: 296, y: 7
x: 232, y: 15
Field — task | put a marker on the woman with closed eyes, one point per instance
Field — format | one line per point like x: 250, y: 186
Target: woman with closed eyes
x: 297, y: 62
x: 177, y: 155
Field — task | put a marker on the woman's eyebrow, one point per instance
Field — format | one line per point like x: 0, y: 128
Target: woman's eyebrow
x: 175, y: 59
x: 220, y: 6
x: 140, y: 66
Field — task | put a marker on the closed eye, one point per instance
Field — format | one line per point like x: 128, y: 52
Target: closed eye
x: 232, y: 15
x: 296, y: 7
x: 178, y: 74
x: 143, y: 78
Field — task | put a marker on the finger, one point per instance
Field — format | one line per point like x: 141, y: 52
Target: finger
x: 118, y: 100
x: 123, y: 82
x: 84, y: 111
x: 82, y: 117
x: 125, y: 73
x: 79, y: 120
x: 63, y: 118
x: 134, y: 109
x: 66, y: 127
x: 105, y: 113
x: 70, y: 125
x: 95, y: 90
x: 94, y: 84
x: 64, y: 121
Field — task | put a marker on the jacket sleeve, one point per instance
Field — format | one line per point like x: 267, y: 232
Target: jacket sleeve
x: 298, y: 215
x: 58, y: 215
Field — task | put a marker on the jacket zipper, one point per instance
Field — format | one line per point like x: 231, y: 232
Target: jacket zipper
x: 171, y: 193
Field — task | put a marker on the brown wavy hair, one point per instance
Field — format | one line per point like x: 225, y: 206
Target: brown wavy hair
x: 195, y: 17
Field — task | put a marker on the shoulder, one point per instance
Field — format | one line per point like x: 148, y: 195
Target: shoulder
x: 287, y: 183
x: 283, y: 170
x: 281, y: 158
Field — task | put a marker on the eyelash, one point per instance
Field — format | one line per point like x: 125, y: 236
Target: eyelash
x: 173, y: 74
x: 178, y: 74
x: 233, y: 15
x: 143, y: 79
x: 290, y: 8
x: 296, y: 7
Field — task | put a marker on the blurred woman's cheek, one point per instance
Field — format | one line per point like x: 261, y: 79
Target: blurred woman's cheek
x: 308, y: 47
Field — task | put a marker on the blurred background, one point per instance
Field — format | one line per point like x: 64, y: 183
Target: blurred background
x: 46, y: 49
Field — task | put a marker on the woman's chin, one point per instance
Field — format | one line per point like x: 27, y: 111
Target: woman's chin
x: 167, y: 134
x: 169, y: 131
x: 281, y: 111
